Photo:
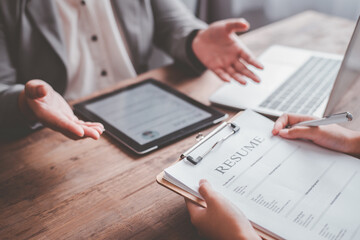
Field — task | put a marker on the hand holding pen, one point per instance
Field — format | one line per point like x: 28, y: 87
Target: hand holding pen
x: 331, y: 119
x: 322, y: 132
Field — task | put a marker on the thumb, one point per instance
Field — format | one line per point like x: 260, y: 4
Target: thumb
x: 236, y: 25
x: 36, y: 89
x: 207, y: 192
x: 193, y: 208
x: 299, y: 132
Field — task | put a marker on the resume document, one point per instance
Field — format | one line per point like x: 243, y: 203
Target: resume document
x: 289, y: 189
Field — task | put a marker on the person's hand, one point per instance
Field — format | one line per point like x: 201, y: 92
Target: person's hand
x: 40, y: 102
x: 220, y: 219
x: 221, y: 50
x: 331, y: 136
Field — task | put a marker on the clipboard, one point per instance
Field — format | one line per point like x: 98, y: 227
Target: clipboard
x: 160, y: 180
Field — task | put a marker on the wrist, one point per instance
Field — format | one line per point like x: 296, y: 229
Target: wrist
x: 192, y: 41
x: 25, y: 108
x: 196, y: 41
x: 354, y: 144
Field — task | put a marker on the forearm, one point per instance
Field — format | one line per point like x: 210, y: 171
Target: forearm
x: 175, y: 27
x: 12, y: 121
x: 24, y: 108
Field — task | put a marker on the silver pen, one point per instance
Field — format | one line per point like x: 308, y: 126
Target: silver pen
x: 331, y: 119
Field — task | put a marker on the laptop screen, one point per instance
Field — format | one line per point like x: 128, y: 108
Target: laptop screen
x: 349, y: 72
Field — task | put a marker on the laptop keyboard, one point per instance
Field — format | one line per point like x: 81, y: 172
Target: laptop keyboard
x: 306, y: 89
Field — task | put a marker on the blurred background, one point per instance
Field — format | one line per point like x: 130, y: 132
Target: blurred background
x: 260, y: 13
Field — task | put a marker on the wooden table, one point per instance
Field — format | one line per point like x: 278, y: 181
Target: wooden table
x: 55, y: 188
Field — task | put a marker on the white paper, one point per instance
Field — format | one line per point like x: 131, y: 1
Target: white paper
x: 293, y: 189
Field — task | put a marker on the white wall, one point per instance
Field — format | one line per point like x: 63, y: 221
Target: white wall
x: 276, y: 9
x: 271, y: 10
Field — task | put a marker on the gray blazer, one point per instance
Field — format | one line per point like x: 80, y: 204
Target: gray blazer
x: 31, y: 45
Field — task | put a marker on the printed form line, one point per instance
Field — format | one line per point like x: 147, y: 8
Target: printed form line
x: 251, y: 165
x: 332, y: 202
x: 309, y: 190
x: 272, y: 171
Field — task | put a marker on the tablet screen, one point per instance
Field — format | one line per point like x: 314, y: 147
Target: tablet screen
x: 147, y: 112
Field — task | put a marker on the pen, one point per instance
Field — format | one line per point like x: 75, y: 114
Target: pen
x: 334, y: 118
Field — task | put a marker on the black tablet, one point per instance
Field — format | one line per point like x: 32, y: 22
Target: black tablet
x: 148, y: 115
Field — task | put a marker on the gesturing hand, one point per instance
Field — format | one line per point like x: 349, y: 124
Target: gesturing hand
x: 39, y: 102
x: 220, y: 50
x: 331, y: 136
x: 220, y: 219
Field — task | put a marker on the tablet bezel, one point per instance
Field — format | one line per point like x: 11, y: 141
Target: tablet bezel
x: 215, y: 117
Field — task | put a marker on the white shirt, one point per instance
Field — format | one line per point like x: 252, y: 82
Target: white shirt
x: 96, y: 48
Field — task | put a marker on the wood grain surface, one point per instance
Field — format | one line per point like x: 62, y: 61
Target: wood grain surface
x: 55, y: 188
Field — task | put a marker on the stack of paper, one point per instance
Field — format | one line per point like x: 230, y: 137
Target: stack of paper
x: 289, y: 189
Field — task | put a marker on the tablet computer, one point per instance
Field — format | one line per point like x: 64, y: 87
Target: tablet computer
x: 148, y: 115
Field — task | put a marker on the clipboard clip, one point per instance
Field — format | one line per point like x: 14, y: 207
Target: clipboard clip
x: 235, y: 128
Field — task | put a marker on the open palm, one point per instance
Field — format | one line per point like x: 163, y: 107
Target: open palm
x: 221, y: 50
x: 45, y: 105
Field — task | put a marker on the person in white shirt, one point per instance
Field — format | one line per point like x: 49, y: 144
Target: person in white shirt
x: 59, y: 50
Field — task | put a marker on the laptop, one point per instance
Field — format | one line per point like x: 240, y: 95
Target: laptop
x: 296, y: 81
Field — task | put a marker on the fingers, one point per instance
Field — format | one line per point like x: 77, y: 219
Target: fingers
x: 299, y: 132
x: 91, y: 132
x: 236, y: 25
x: 223, y: 75
x: 69, y: 127
x: 78, y: 129
x: 296, y: 132
x: 249, y: 58
x: 95, y: 125
x: 241, y: 25
x: 207, y: 192
x: 99, y: 129
x: 91, y: 129
x: 289, y: 119
x: 235, y: 75
x: 36, y: 89
x: 245, y: 54
x: 280, y: 123
x: 241, y: 68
